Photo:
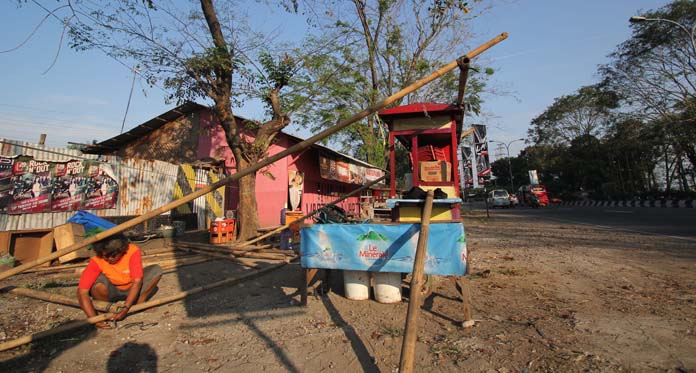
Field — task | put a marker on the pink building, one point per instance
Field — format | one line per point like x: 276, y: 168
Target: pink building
x: 190, y: 134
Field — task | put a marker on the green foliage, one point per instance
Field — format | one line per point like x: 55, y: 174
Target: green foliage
x: 370, y: 60
x: 585, y: 113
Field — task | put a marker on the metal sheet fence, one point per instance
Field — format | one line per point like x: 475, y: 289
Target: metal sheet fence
x: 144, y: 185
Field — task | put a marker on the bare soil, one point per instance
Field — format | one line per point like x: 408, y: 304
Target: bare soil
x: 546, y: 297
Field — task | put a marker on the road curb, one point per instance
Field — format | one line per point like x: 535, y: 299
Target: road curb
x: 632, y: 203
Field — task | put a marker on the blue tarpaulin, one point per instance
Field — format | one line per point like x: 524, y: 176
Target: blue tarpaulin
x: 90, y: 221
x: 383, y: 247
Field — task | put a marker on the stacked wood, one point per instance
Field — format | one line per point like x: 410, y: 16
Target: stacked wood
x: 257, y: 252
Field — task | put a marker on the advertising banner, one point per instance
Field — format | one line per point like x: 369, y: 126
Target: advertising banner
x: 6, y: 165
x: 347, y: 172
x: 383, y: 247
x: 102, y: 189
x: 31, y: 192
x: 31, y: 186
x: 483, y: 167
x: 467, y: 174
x: 69, y: 185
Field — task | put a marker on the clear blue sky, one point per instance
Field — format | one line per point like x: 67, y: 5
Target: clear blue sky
x: 553, y: 49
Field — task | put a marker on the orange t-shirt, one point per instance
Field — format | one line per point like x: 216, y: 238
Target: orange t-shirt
x: 121, y: 274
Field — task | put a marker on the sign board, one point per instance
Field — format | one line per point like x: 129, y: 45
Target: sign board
x: 383, y: 247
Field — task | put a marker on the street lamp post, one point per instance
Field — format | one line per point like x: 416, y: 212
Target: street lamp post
x: 507, y: 148
x: 637, y: 19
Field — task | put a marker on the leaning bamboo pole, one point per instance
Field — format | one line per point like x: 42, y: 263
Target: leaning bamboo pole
x: 364, y: 187
x: 138, y: 307
x: 259, y: 165
x: 59, y: 299
x: 408, y: 347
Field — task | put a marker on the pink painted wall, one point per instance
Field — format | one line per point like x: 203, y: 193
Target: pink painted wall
x: 272, y: 192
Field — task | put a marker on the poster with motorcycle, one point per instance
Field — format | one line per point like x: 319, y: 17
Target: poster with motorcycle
x: 6, y: 164
x: 31, y: 189
x: 483, y: 167
x: 101, y: 188
x: 69, y: 185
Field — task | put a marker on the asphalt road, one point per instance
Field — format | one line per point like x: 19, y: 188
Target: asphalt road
x: 673, y: 222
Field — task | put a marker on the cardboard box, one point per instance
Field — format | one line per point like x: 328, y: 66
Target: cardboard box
x: 69, y: 234
x: 435, y: 171
x: 29, y: 245
x: 4, y: 242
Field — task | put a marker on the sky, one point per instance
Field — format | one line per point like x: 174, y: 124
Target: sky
x: 553, y: 49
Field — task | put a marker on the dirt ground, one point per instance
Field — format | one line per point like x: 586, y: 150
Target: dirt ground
x: 546, y: 297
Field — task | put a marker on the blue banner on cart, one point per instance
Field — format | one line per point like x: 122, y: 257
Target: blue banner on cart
x: 383, y: 248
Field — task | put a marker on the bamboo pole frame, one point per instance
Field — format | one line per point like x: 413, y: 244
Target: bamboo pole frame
x: 408, y: 348
x: 257, y: 166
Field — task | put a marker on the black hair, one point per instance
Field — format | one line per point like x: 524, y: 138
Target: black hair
x: 111, y: 246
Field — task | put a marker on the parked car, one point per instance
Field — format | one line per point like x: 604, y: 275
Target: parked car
x: 499, y: 198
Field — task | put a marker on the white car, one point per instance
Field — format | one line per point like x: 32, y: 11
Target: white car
x: 499, y: 198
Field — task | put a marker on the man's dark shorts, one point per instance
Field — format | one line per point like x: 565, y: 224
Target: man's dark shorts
x: 150, y: 273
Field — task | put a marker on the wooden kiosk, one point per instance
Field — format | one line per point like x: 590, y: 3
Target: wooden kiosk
x: 431, y: 134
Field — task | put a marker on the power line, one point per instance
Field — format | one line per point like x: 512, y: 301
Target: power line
x: 135, y: 73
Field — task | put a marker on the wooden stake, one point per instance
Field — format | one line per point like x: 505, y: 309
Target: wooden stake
x: 408, y: 348
x: 138, y: 307
x: 256, y: 166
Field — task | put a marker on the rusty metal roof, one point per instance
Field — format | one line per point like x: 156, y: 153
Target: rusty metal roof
x: 115, y: 143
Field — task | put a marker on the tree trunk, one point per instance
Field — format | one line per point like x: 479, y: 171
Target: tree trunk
x: 247, y: 211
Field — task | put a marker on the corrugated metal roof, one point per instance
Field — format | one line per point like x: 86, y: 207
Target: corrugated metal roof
x: 10, y: 148
x: 115, y: 143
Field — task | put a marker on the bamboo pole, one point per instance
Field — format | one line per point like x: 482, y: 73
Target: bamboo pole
x: 408, y: 347
x: 233, y: 253
x: 315, y: 211
x: 230, y: 257
x: 243, y: 247
x: 57, y: 298
x: 174, y: 266
x: 257, y: 166
x: 138, y: 307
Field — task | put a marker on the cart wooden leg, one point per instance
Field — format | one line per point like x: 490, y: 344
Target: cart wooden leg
x: 465, y: 294
x: 308, y: 275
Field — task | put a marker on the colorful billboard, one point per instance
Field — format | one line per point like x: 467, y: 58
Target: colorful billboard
x: 31, y: 186
x: 347, y: 172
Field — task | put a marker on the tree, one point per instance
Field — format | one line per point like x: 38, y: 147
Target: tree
x: 378, y: 48
x: 655, y: 70
x: 195, y: 54
x: 585, y: 113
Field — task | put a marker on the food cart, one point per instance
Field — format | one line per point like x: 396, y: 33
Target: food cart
x: 430, y: 133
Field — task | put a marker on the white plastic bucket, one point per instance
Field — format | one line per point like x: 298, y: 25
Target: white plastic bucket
x: 357, y: 284
x: 387, y: 287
